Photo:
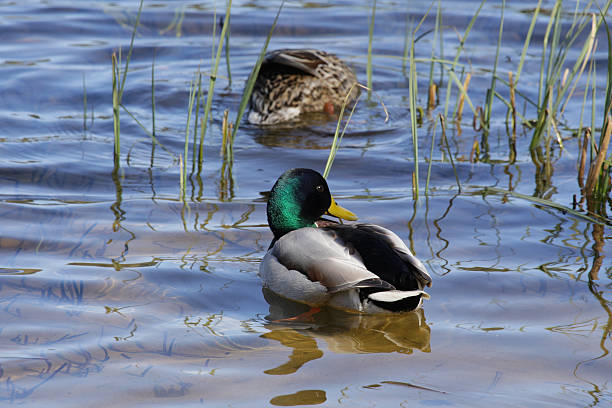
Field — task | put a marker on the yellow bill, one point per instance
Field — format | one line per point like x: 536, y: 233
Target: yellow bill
x: 340, y: 212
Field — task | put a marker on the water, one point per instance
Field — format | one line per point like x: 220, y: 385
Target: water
x: 115, y: 293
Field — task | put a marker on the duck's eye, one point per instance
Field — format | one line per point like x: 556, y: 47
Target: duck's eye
x: 320, y: 188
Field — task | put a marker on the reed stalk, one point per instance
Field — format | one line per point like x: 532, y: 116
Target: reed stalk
x: 491, y: 93
x: 586, y: 94
x: 129, y: 56
x: 534, y: 18
x: 412, y: 97
x: 462, y: 95
x: 198, y: 105
x: 431, y: 96
x: 369, y: 63
x: 153, y: 98
x: 248, y: 89
x: 433, y: 49
x: 593, y: 218
x: 450, y: 156
x: 432, y: 142
x: 407, y: 39
x: 116, y: 123
x: 181, y: 179
x: 117, y: 90
x: 337, y: 135
x: 512, y: 99
x: 583, y: 156
x: 84, y: 104
x: 193, y: 88
x: 227, y: 51
x: 225, y: 134
x: 211, y: 82
x: 462, y: 41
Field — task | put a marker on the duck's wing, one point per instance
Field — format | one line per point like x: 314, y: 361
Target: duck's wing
x: 303, y: 60
x: 317, y: 255
x: 400, y: 248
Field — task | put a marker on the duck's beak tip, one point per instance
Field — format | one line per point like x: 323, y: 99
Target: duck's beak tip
x: 340, y: 212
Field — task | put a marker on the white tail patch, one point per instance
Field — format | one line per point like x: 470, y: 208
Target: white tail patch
x: 396, y: 295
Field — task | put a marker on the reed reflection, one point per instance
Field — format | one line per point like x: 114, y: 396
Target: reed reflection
x: 341, y: 332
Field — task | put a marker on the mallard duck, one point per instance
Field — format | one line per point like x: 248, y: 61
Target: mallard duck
x: 292, y: 82
x: 358, y: 267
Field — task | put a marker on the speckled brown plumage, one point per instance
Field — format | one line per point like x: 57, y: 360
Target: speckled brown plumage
x: 293, y: 82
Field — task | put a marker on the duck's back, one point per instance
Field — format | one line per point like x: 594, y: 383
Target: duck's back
x: 293, y: 82
x: 384, y: 254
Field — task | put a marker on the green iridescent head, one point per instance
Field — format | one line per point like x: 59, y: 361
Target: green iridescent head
x: 300, y: 197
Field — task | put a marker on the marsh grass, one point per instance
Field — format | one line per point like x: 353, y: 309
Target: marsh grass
x: 598, y: 184
x: 558, y: 82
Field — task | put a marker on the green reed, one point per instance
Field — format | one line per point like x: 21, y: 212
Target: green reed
x: 212, y: 80
x: 450, y: 156
x: 491, y: 91
x: 370, y: 39
x: 116, y: 123
x: 451, y: 70
x: 153, y: 98
x: 227, y: 51
x: 412, y: 97
x: 431, y: 152
x: 594, y: 218
x: 198, y: 105
x: 193, y: 90
x: 248, y: 88
x: 534, y: 18
x: 84, y: 104
x: 432, y: 86
x: 337, y: 135
x: 118, y: 84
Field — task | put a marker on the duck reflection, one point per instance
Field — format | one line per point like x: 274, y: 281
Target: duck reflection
x: 314, y: 131
x: 341, y: 331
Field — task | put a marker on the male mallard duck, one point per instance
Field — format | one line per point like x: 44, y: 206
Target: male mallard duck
x: 361, y: 267
x: 292, y: 82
